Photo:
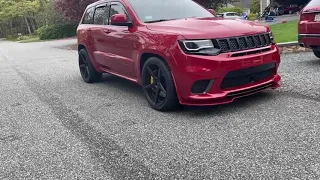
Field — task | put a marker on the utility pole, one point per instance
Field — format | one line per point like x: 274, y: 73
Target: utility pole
x: 261, y: 10
x: 263, y: 5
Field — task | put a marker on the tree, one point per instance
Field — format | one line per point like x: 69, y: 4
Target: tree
x: 255, y: 6
x: 27, y: 16
x: 73, y: 9
x: 19, y: 12
x: 49, y: 15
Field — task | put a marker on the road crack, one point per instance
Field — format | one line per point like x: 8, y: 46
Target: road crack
x: 300, y: 96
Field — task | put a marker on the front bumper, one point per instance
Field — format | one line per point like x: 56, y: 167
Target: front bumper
x: 215, y: 69
x: 311, y: 41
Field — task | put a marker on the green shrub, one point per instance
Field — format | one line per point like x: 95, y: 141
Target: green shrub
x: 20, y: 38
x: 56, y: 31
x: 252, y: 16
x: 230, y: 9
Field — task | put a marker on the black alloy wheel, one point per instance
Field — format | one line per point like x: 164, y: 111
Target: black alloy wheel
x: 158, y: 85
x: 88, y: 73
x: 316, y: 53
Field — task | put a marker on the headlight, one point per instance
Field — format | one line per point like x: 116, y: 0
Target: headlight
x: 197, y: 45
x: 271, y: 37
x: 201, y: 47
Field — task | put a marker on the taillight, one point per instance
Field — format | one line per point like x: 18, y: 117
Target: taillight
x: 307, y: 17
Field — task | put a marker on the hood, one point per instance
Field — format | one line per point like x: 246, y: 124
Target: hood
x: 208, y: 28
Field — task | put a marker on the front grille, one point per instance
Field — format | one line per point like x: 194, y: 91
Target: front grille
x: 244, y: 42
x: 247, y: 76
x: 200, y: 86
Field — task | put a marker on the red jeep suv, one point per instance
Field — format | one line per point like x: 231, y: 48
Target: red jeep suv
x: 178, y: 51
x: 309, y: 27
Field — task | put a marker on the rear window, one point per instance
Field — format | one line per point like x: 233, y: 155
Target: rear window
x: 313, y: 3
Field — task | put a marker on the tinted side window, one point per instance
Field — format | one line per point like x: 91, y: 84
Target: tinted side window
x: 117, y: 9
x: 88, y: 17
x: 101, y: 16
x: 313, y: 3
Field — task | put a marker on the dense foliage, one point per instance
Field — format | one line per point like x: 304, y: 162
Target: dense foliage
x: 230, y: 9
x: 73, y: 9
x: 27, y: 17
x: 19, y: 15
x: 57, y: 31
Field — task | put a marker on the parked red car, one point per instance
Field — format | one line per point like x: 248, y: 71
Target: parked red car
x: 291, y: 9
x: 309, y: 27
x: 178, y: 51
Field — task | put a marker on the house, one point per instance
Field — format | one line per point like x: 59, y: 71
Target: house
x: 264, y: 4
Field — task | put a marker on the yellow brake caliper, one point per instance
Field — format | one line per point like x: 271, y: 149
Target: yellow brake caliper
x: 151, y: 80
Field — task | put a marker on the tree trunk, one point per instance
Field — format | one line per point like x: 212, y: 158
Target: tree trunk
x: 11, y: 27
x: 27, y: 23
x: 32, y: 24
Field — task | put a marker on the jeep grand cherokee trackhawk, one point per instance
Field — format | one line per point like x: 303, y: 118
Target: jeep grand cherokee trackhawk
x: 177, y: 51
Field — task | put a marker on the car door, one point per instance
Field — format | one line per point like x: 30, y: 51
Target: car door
x: 120, y: 44
x: 231, y: 15
x: 100, y: 29
x: 85, y: 28
x: 227, y: 16
x: 220, y: 15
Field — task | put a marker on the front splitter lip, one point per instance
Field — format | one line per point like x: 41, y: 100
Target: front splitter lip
x: 229, y: 96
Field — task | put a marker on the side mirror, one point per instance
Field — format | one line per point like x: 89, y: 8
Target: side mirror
x: 120, y: 20
x: 212, y: 11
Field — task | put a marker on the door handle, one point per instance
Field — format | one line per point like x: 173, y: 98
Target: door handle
x: 89, y: 29
x: 106, y: 31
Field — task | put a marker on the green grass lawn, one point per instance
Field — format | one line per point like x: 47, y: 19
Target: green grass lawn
x: 12, y: 39
x: 285, y: 32
x: 31, y: 39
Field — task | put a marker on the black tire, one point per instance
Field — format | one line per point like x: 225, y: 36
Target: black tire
x: 88, y: 73
x: 316, y: 53
x: 159, y: 88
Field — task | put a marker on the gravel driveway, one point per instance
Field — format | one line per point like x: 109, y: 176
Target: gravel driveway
x: 55, y: 126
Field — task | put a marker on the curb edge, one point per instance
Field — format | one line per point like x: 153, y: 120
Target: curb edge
x: 286, y: 44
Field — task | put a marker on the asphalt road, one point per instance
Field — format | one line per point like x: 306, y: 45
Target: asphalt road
x: 55, y: 126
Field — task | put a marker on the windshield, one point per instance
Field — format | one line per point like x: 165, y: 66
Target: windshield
x: 154, y: 10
